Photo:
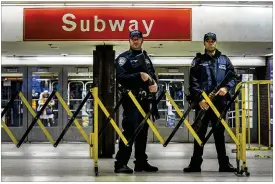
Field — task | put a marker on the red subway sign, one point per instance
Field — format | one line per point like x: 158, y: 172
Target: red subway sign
x: 88, y: 24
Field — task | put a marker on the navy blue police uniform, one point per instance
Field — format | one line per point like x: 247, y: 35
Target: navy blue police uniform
x: 205, y: 74
x: 128, y: 70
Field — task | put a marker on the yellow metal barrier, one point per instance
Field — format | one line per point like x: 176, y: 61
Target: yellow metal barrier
x: 161, y: 140
x: 248, y: 118
x: 10, y: 134
x: 241, y: 150
x: 186, y: 122
x: 151, y: 125
x: 244, y: 110
x: 239, y: 138
x: 103, y: 108
x: 107, y: 114
x: 263, y: 156
x: 79, y: 127
x: 30, y: 109
x: 222, y: 120
x: 45, y: 131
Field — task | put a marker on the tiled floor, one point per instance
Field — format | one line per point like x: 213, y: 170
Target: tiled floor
x: 70, y: 162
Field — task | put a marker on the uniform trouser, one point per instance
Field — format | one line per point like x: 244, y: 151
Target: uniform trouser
x: 218, y: 133
x: 131, y: 119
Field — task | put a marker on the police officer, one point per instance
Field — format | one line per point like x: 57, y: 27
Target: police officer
x: 131, y: 75
x: 206, y: 72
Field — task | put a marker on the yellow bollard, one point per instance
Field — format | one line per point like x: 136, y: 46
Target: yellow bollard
x: 91, y: 148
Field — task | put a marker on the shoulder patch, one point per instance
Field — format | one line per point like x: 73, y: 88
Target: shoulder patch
x: 196, y: 59
x: 193, y: 63
x: 122, y: 61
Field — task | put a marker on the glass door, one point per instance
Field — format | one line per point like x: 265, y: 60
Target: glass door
x: 78, y: 82
x: 174, y: 84
x: 43, y: 80
x: 13, y: 79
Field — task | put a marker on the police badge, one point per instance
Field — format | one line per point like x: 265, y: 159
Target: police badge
x: 122, y: 61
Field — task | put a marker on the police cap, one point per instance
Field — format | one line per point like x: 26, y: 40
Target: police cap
x: 210, y: 35
x: 136, y: 33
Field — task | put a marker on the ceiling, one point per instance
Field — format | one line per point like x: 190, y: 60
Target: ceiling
x: 235, y: 3
x: 154, y: 48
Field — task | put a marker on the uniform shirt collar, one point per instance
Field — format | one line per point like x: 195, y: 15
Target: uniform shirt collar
x: 217, y: 54
x: 135, y: 52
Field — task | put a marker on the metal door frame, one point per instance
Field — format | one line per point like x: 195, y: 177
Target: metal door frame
x: 36, y: 134
x: 182, y: 134
x: 73, y: 135
x: 17, y: 131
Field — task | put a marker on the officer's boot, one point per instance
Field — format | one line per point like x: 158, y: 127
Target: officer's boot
x: 225, y: 166
x: 121, y: 168
x: 195, y: 165
x: 144, y: 166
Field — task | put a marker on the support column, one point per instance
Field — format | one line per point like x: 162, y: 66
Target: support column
x: 104, y: 79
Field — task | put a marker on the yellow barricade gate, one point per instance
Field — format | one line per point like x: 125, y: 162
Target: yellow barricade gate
x: 92, y: 141
x: 239, y: 139
x: 246, y: 117
x: 36, y: 119
x: 30, y: 109
x: 93, y: 150
x: 151, y: 125
x: 94, y: 135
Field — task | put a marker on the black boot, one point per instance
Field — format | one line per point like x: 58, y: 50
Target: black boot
x: 194, y: 166
x: 225, y: 166
x: 121, y: 168
x: 144, y: 166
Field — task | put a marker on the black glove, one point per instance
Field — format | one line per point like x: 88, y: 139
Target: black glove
x: 155, y: 111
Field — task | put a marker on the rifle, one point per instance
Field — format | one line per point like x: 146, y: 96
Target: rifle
x: 194, y: 103
x: 229, y: 76
x: 221, y: 116
x: 151, y: 81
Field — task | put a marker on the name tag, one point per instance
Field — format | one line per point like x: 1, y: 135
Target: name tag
x: 222, y: 67
x: 204, y: 64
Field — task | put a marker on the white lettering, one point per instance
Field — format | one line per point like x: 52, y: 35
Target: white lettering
x: 148, y: 29
x: 117, y: 24
x: 87, y: 25
x: 135, y: 25
x: 96, y: 22
x: 65, y: 21
x: 70, y: 24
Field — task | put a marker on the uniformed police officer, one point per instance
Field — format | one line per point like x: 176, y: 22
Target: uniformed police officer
x: 206, y: 72
x: 131, y: 75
